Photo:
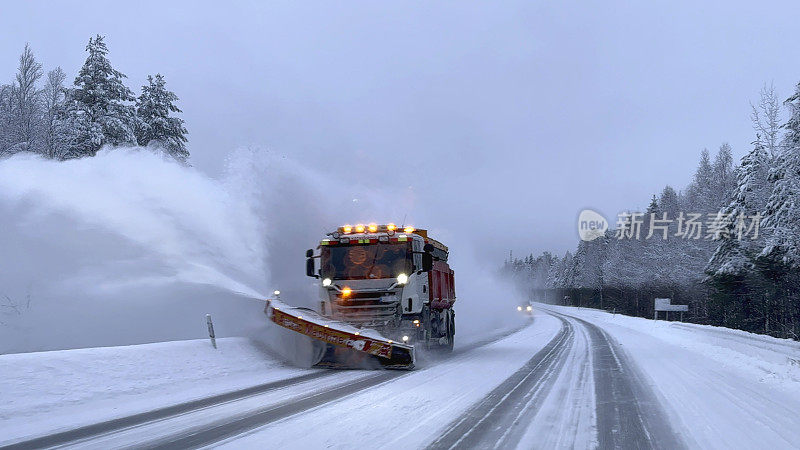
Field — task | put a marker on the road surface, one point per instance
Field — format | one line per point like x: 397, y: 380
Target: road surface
x: 560, y: 382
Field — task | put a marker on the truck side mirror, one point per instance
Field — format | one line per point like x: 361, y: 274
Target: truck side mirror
x: 309, y: 253
x: 310, y: 268
x: 428, y: 248
x: 427, y: 262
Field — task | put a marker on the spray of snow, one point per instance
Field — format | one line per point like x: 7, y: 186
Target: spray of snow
x: 305, y: 203
x: 128, y: 247
x: 123, y: 248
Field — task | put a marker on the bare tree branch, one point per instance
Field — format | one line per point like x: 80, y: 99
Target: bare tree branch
x: 766, y: 119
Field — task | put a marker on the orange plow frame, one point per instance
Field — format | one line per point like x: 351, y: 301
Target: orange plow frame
x: 390, y: 354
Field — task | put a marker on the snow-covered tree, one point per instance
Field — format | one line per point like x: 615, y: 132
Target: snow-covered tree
x: 25, y: 105
x: 766, y: 119
x: 736, y: 252
x: 653, y: 206
x: 737, y: 280
x: 560, y: 275
x: 782, y: 212
x: 700, y: 190
x: 588, y: 263
x: 723, y: 181
x: 97, y: 109
x: 541, y: 269
x: 156, y: 125
x: 54, y: 109
x: 668, y: 202
x: 6, y: 135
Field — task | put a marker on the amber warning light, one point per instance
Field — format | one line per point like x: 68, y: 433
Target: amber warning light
x: 373, y: 228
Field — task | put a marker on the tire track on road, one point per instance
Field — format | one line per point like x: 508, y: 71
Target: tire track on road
x: 235, y: 425
x: 240, y: 425
x: 110, y: 426
x: 629, y: 414
x: 498, y: 419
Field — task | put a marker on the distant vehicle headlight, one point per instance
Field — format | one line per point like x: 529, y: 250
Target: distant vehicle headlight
x: 519, y: 308
x: 529, y: 308
x: 402, y: 279
x: 326, y: 282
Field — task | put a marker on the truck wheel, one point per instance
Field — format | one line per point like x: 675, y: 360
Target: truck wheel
x: 450, y: 323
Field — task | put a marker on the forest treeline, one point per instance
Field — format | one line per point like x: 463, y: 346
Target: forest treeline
x: 42, y: 115
x: 727, y: 245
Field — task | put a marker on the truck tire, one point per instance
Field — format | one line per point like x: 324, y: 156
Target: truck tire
x: 451, y: 332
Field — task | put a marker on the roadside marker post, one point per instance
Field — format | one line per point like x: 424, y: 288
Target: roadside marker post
x: 211, y: 330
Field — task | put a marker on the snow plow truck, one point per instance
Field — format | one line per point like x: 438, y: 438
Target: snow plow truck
x: 384, y: 292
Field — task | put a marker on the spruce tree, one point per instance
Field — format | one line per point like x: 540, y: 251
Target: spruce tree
x: 668, y: 202
x: 156, y: 126
x: 700, y: 190
x: 782, y: 215
x: 780, y: 258
x: 735, y: 254
x: 98, y: 108
x: 723, y: 180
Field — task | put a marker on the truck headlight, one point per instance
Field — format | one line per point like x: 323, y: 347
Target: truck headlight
x: 326, y: 282
x: 519, y: 308
x: 529, y: 308
x: 402, y: 279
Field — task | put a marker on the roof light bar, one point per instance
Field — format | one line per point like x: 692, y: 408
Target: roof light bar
x: 389, y: 229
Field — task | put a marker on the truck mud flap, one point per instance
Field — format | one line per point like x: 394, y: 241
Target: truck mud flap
x: 345, y: 345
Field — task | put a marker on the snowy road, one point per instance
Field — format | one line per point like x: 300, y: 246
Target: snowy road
x: 572, y: 379
x: 210, y: 419
x: 623, y: 412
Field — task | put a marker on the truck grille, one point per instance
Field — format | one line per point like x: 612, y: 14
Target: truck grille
x: 366, y: 308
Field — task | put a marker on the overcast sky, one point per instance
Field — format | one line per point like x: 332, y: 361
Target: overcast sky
x: 506, y: 117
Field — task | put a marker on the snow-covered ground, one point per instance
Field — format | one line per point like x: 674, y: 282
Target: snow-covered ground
x: 721, y: 388
x: 47, y: 391
x: 540, y: 386
x: 411, y: 411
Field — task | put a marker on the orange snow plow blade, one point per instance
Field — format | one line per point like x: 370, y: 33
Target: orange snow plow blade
x: 341, y: 338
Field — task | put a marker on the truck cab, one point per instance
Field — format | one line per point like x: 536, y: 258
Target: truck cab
x: 391, y: 279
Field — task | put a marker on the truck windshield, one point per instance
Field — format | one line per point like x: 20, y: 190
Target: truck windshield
x: 367, y: 261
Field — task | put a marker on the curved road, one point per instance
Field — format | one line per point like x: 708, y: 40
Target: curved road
x: 626, y: 412
x: 579, y: 390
